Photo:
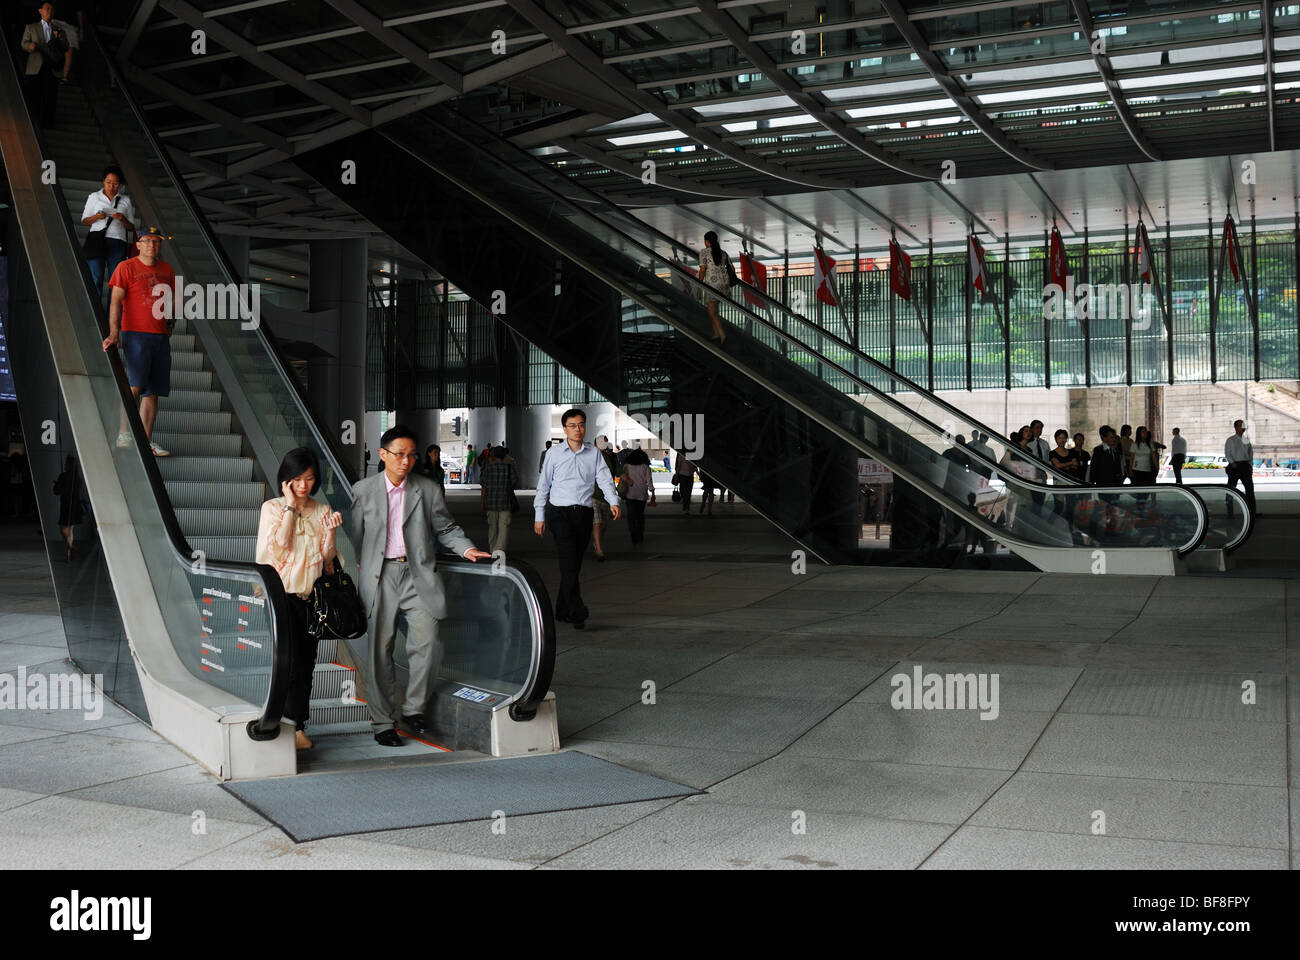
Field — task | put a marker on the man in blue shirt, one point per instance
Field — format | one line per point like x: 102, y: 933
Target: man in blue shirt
x: 570, y: 473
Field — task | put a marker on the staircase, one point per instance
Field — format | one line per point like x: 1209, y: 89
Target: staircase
x: 215, y: 486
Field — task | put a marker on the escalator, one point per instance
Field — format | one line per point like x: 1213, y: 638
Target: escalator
x: 787, y: 410
x: 165, y: 602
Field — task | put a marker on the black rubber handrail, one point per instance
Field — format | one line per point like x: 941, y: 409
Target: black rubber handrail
x: 1197, y: 502
x: 490, y: 142
x: 328, y: 443
x: 267, y: 725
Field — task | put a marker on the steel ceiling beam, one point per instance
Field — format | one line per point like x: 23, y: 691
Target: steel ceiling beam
x: 1084, y: 15
x: 964, y: 101
x: 1266, y: 15
x: 589, y: 60
x: 263, y: 61
x: 634, y: 171
x: 812, y: 104
x: 396, y: 42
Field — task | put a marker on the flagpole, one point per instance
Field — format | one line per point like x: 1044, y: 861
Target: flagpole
x: 970, y: 296
x: 1047, y: 324
x: 1213, y: 298
x: 1254, y: 290
x: 1169, y: 299
x: 1006, y: 307
x: 929, y: 308
x: 1128, y: 324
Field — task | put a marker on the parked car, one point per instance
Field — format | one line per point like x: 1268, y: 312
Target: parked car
x: 451, y: 468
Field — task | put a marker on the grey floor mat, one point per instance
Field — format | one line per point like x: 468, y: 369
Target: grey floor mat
x: 336, y: 804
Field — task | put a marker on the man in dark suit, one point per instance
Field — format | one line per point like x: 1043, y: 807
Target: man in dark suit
x: 1106, y: 469
x: 397, y: 518
x: 46, y: 46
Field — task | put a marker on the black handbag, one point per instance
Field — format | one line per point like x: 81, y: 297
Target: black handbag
x: 96, y: 246
x: 335, y: 606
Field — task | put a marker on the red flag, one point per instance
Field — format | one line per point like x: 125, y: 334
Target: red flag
x: 900, y: 271
x: 1059, y: 266
x: 824, y: 278
x: 755, y: 274
x: 1145, y: 267
x: 1234, y: 250
x: 979, y: 278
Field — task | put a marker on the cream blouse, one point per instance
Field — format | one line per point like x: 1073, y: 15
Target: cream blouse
x: 300, y: 564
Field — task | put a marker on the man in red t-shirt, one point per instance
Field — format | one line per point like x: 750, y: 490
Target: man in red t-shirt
x: 141, y: 331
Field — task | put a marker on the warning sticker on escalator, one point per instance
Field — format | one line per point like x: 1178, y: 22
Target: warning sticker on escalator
x: 474, y: 696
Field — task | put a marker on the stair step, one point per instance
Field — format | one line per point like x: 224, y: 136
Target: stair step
x: 208, y: 401
x: 216, y: 469
x: 191, y: 379
x: 235, y: 549
x: 328, y: 682
x: 335, y: 711
x: 203, y: 494
x: 187, y: 360
x: 217, y: 522
x: 185, y: 421
x: 187, y: 444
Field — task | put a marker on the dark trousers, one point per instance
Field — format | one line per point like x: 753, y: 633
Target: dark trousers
x: 1143, y: 478
x: 297, y: 705
x: 1176, y: 461
x: 685, y: 487
x: 571, y: 528
x: 42, y: 96
x: 1244, y: 472
x: 635, y: 518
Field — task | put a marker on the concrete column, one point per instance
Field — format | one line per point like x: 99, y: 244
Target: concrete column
x: 372, y: 433
x: 486, y: 425
x: 527, y: 430
x: 337, y: 283
x: 425, y: 425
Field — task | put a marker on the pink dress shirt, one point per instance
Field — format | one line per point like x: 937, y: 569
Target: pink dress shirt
x: 396, y: 546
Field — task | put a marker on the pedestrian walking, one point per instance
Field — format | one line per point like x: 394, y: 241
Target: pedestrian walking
x: 398, y: 518
x: 498, y: 479
x: 1178, y: 454
x: 1241, y: 462
x: 563, y: 502
x: 640, y: 494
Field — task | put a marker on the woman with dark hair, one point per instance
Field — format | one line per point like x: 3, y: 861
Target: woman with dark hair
x: 431, y: 465
x: 715, y: 272
x: 640, y: 489
x: 109, y: 214
x: 1144, y: 461
x: 296, y: 536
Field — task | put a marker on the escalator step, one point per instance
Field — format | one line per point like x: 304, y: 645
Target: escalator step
x: 334, y: 711
x: 186, y: 421
x: 217, y: 522
x: 327, y: 681
x: 187, y: 360
x: 208, y: 493
x: 239, y: 549
x: 191, y: 380
x: 197, y: 401
x: 182, y: 342
x: 220, y: 469
x: 198, y: 444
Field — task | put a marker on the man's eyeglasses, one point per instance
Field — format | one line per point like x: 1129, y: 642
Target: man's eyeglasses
x: 400, y: 456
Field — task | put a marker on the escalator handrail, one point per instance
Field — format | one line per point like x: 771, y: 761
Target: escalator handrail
x: 267, y: 725
x: 543, y: 645
x: 770, y: 302
x: 857, y: 442
x: 1197, y: 503
x: 328, y: 444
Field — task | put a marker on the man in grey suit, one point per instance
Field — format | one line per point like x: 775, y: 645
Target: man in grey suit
x: 46, y: 45
x: 397, y: 516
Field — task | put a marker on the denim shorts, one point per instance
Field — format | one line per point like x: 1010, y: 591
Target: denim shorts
x: 148, y: 361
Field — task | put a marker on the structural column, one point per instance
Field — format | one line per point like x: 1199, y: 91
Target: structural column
x: 337, y: 286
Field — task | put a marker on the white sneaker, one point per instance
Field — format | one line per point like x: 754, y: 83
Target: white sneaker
x: 159, y: 451
x: 124, y: 439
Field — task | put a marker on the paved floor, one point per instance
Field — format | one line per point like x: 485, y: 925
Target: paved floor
x: 1139, y: 723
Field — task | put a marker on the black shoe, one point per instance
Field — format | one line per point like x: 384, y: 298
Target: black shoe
x: 388, y: 738
x: 415, y: 723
